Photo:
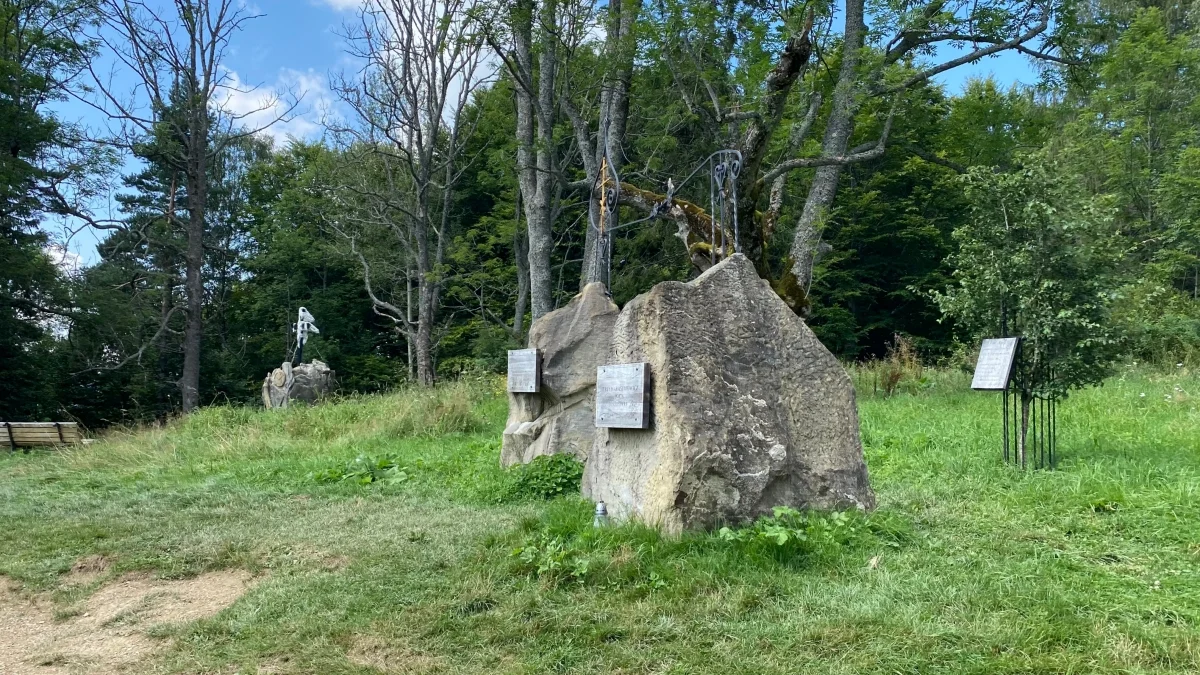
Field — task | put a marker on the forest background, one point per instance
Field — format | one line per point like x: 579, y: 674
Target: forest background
x: 426, y: 232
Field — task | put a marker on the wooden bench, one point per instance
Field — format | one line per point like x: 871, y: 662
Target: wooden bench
x: 33, y: 434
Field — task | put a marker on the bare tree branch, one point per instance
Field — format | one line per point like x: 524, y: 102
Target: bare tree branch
x: 966, y: 58
x: 859, y: 154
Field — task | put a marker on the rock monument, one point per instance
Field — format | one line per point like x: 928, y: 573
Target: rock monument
x: 573, y: 341
x: 749, y: 410
x: 307, y: 382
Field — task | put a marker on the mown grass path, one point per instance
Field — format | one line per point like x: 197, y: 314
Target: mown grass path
x: 1093, y: 568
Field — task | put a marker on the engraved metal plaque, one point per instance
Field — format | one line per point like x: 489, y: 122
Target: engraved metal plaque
x: 994, y: 367
x: 623, y: 396
x: 524, y: 370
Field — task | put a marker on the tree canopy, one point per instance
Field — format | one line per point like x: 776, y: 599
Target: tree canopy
x: 425, y: 239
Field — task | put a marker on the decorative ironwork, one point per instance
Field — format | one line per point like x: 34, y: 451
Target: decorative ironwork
x: 610, y: 207
x: 724, y: 167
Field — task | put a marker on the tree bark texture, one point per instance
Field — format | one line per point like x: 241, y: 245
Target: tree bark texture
x: 164, y: 364
x: 426, y: 374
x: 189, y: 382
x: 409, y: 339
x: 620, y: 47
x: 535, y: 142
x: 521, y: 254
x: 838, y: 130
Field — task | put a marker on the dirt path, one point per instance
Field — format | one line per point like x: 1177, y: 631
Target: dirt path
x: 107, y: 632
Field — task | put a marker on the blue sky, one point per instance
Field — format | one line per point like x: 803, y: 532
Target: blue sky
x: 293, y: 44
x: 296, y: 45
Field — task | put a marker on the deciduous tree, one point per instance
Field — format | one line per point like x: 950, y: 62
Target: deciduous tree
x: 422, y: 62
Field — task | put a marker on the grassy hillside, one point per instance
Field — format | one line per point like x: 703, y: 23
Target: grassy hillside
x: 446, y: 563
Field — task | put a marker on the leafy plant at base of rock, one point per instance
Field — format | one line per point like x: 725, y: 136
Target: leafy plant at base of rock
x: 631, y: 557
x: 363, y: 470
x: 563, y: 547
x: 546, y: 477
x: 553, y: 560
x: 789, y: 534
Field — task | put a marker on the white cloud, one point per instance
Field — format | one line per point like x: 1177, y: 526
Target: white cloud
x: 343, y: 5
x: 267, y: 107
x: 68, y: 262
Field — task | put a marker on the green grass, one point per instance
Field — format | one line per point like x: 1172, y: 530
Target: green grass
x: 979, y: 568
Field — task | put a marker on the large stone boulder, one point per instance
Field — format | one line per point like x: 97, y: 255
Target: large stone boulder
x: 750, y: 411
x: 574, y: 340
x: 307, y: 382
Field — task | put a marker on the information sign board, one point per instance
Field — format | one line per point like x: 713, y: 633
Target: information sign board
x: 524, y: 371
x: 623, y: 396
x: 994, y: 367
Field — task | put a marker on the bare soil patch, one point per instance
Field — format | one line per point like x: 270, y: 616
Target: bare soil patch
x: 109, y: 631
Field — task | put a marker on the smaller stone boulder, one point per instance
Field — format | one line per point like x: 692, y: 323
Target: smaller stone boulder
x: 573, y: 340
x: 307, y: 382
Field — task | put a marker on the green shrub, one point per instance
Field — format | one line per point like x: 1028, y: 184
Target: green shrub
x: 436, y: 411
x: 546, y: 477
x: 1160, y: 324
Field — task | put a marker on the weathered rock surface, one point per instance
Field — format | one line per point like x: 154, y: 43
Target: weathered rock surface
x: 574, y: 340
x: 750, y: 411
x: 307, y: 382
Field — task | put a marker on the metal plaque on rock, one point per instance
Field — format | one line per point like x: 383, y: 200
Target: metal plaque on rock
x: 994, y: 367
x: 524, y: 371
x: 623, y: 396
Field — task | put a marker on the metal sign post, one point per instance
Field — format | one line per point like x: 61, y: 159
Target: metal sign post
x: 1029, y: 414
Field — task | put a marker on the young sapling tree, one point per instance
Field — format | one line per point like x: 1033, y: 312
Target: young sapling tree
x: 1037, y: 258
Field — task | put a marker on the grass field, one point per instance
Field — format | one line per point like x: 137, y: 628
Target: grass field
x: 969, y: 566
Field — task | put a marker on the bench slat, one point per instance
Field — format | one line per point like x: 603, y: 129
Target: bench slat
x: 29, y: 434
